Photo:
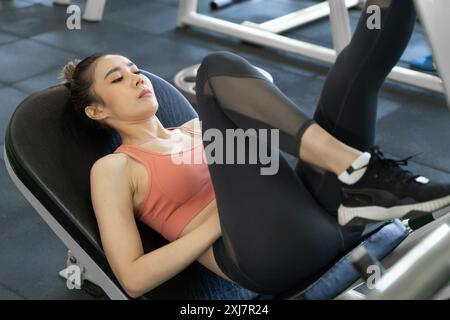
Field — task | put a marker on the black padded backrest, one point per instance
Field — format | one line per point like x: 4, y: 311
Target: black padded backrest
x: 52, y: 152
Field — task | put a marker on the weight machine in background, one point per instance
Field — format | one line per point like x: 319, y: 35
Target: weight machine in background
x: 432, y: 14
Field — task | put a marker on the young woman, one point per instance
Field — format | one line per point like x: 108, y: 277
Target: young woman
x: 267, y: 233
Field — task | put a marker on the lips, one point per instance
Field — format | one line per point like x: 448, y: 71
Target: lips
x: 145, y: 93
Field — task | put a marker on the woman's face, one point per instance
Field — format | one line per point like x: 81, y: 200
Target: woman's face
x: 128, y: 96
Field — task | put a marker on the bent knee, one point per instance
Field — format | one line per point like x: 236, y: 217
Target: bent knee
x: 220, y: 60
x: 225, y: 63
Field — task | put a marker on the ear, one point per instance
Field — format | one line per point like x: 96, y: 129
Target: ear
x: 95, y: 112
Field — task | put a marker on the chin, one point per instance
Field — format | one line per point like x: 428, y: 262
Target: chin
x: 155, y: 107
x: 152, y: 109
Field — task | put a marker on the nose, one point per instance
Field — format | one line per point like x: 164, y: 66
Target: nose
x: 139, y: 81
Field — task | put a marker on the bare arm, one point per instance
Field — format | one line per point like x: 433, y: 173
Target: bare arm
x: 138, y: 273
x: 173, y: 257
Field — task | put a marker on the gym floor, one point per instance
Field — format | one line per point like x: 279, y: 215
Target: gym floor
x: 35, y: 44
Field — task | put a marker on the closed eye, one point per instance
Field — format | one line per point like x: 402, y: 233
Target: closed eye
x: 117, y: 80
x: 120, y: 79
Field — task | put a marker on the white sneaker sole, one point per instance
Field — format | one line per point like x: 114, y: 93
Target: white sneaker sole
x: 374, y: 213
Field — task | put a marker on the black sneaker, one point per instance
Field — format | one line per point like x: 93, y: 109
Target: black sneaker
x: 386, y: 192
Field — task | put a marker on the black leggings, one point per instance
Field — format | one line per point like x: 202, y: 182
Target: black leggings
x: 277, y: 232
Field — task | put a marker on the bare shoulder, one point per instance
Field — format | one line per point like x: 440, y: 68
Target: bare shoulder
x: 113, y: 161
x: 117, y: 170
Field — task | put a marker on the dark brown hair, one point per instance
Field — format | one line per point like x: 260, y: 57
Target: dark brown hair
x: 78, y: 76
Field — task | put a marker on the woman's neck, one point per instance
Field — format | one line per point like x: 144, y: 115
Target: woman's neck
x: 144, y: 132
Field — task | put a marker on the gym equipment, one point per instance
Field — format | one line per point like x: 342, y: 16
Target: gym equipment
x: 51, y: 169
x: 432, y: 15
x: 94, y: 10
x: 219, y: 4
x: 426, y: 64
x: 61, y: 2
x: 184, y: 80
x: 417, y: 223
x: 420, y: 274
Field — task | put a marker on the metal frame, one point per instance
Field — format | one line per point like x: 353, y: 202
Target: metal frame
x: 90, y: 270
x: 413, y: 277
x: 435, y: 23
x: 265, y: 36
x: 340, y: 24
x: 94, y: 10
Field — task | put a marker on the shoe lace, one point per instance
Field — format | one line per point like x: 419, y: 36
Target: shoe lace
x: 386, y: 163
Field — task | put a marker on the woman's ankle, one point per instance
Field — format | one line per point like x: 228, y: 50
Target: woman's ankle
x: 322, y: 150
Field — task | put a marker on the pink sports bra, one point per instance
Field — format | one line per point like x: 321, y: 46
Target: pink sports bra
x: 177, y: 191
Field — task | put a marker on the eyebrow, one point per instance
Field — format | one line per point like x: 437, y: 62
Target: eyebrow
x: 129, y: 64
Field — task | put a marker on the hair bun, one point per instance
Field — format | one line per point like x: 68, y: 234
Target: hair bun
x: 68, y: 70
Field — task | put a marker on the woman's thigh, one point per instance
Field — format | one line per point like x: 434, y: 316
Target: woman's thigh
x: 273, y: 231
